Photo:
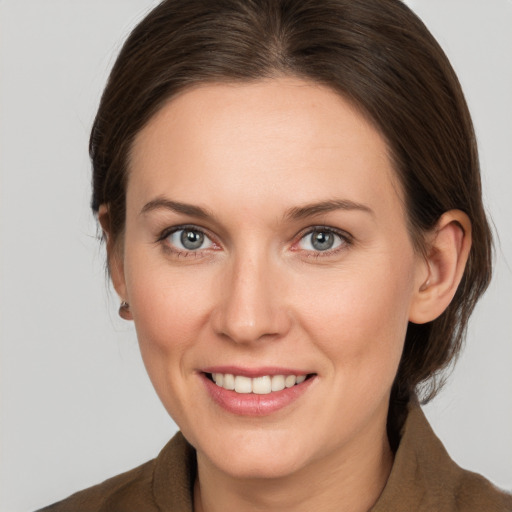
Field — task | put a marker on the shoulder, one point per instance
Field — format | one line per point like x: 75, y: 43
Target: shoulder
x: 128, y: 488
x: 453, y: 488
x: 473, y: 492
x: 168, y: 479
x: 425, y: 479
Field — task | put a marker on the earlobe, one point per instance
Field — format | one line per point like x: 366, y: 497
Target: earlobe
x: 447, y: 254
x: 115, y: 262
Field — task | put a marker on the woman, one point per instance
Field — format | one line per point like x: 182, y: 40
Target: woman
x: 290, y: 197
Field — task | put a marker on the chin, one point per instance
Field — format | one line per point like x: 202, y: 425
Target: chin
x: 257, y: 455
x: 270, y: 466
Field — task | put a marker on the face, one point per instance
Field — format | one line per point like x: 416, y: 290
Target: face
x: 266, y: 248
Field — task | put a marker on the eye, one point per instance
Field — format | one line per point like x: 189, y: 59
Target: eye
x: 189, y: 239
x: 321, y: 240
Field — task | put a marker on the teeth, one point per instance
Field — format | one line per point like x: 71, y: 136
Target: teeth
x: 229, y: 381
x: 243, y: 384
x: 290, y: 380
x: 277, y: 382
x: 262, y: 385
x: 259, y: 385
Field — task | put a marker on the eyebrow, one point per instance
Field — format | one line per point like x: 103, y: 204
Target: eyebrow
x: 295, y: 213
x: 184, y: 208
x: 310, y: 210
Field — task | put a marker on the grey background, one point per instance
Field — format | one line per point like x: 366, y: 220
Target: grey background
x: 76, y: 406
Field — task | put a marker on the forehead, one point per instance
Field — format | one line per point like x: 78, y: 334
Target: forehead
x: 284, y: 139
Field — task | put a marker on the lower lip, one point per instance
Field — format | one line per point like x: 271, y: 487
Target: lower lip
x: 252, y: 404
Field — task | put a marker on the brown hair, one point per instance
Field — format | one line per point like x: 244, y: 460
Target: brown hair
x: 376, y: 53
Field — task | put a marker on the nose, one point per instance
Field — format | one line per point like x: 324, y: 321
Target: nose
x: 251, y: 305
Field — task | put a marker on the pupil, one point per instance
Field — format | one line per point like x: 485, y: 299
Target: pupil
x: 192, y: 239
x: 322, y: 241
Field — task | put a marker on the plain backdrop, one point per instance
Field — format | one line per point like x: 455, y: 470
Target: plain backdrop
x: 76, y: 404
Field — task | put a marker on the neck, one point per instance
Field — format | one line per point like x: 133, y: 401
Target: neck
x: 348, y: 480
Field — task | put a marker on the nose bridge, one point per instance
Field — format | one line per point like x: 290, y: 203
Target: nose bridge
x: 250, y: 307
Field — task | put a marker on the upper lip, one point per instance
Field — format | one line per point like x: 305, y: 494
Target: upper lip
x: 254, y: 372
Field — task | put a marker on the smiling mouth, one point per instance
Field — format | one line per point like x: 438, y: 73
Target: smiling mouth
x: 262, y: 385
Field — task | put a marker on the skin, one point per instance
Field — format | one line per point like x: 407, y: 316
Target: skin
x: 259, y: 294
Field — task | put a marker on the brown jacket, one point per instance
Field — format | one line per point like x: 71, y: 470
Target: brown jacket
x: 423, y: 479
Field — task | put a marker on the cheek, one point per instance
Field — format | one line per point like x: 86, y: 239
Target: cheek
x: 169, y: 320
x: 163, y: 298
x: 360, y: 322
x: 169, y: 312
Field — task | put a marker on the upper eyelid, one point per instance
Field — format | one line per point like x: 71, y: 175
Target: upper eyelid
x: 295, y: 239
x: 347, y: 240
x: 192, y: 227
x: 340, y: 232
x: 171, y: 248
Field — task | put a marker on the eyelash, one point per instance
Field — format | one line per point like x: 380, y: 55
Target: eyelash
x: 183, y: 253
x: 345, y: 241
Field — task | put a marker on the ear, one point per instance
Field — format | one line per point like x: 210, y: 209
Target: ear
x: 448, y: 247
x: 115, y: 259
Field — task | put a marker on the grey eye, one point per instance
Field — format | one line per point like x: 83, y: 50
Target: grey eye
x: 191, y: 240
x: 320, y: 240
x: 188, y: 239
